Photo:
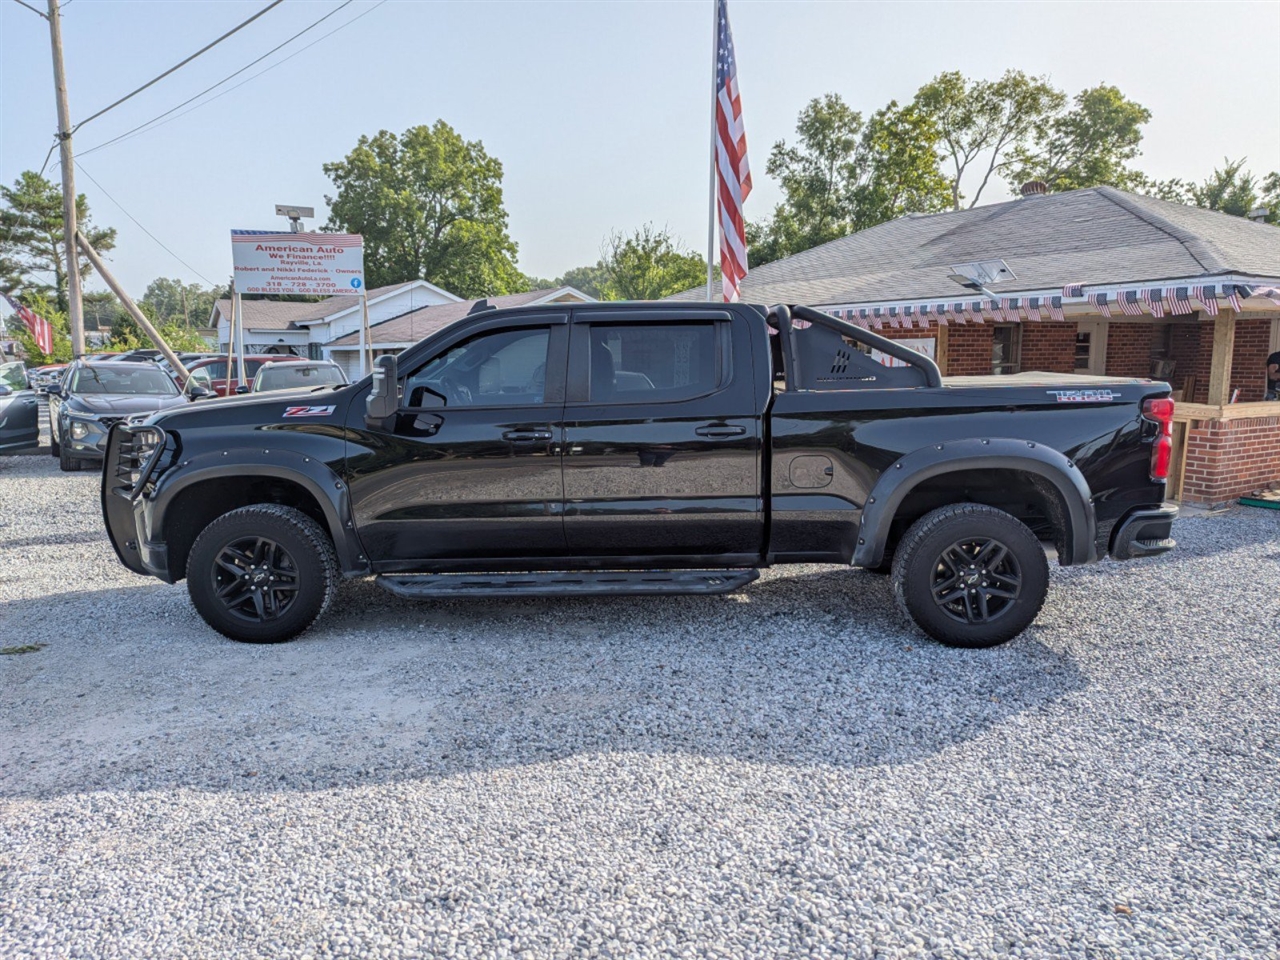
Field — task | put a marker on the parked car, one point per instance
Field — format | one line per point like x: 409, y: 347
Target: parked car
x: 42, y: 378
x: 187, y: 360
x: 147, y: 354
x: 94, y: 396
x: 304, y: 375
x: 504, y: 456
x: 19, y: 409
x: 214, y: 377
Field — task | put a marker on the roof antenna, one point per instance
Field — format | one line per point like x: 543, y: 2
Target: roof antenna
x: 480, y: 306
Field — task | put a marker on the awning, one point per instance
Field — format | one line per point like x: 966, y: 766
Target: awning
x: 1155, y: 301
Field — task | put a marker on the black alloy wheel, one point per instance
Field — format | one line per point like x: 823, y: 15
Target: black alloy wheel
x: 255, y: 579
x: 970, y: 575
x: 976, y: 580
x: 262, y: 573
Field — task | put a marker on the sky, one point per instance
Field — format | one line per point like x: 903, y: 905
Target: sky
x: 598, y: 109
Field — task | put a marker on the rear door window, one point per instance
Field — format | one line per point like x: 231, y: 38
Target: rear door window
x: 641, y: 363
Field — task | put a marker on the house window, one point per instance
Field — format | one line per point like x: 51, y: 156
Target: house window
x: 1006, y: 348
x: 1084, y: 345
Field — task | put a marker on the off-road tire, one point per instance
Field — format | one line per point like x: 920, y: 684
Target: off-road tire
x: 68, y: 463
x: 54, y: 447
x: 921, y: 564
x: 305, y: 544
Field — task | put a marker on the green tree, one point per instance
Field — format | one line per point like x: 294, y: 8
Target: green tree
x: 40, y: 304
x: 429, y: 205
x: 647, y: 264
x: 1087, y: 146
x: 1229, y: 189
x: 101, y: 309
x: 1271, y: 196
x: 178, y: 301
x: 846, y: 174
x: 589, y: 279
x: 31, y: 230
x: 985, y: 120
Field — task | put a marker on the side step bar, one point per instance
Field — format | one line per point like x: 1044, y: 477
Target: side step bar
x: 566, y: 584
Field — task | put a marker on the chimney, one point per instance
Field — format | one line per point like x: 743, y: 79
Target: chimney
x: 1034, y: 188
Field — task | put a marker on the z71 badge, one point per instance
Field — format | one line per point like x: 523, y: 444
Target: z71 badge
x: 309, y: 411
x: 1085, y: 396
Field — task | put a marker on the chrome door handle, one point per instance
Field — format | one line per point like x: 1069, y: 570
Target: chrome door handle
x: 720, y: 430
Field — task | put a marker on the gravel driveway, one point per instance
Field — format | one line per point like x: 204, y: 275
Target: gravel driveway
x: 789, y: 771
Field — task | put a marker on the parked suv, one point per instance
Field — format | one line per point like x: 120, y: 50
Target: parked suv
x: 213, y: 378
x: 93, y: 396
x: 19, y: 409
x: 298, y: 376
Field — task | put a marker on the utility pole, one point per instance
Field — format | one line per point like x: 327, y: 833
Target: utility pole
x: 75, y: 305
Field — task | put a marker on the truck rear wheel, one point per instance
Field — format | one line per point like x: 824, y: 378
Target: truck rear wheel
x: 970, y: 575
x: 262, y: 573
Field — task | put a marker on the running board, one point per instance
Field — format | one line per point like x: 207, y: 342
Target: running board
x: 566, y: 584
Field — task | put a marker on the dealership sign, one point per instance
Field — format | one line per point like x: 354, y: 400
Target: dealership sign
x: 316, y: 264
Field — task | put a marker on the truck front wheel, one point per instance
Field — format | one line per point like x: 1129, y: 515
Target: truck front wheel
x: 970, y: 575
x: 262, y: 573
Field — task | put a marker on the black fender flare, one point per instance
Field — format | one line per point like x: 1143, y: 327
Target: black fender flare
x: 313, y: 475
x: 999, y: 453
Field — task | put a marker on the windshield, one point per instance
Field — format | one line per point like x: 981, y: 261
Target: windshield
x: 291, y: 376
x: 145, y: 380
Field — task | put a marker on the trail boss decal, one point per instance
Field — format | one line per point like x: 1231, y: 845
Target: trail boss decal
x: 1085, y: 396
x: 309, y: 411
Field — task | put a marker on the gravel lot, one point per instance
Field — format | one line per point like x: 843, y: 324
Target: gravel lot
x: 788, y: 771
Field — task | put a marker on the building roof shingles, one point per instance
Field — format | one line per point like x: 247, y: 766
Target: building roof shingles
x: 1097, y: 235
x: 279, y: 315
x: 412, y: 327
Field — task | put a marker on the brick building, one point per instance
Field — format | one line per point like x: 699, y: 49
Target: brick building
x: 1105, y: 283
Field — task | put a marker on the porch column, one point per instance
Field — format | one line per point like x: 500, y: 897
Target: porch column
x: 1224, y: 341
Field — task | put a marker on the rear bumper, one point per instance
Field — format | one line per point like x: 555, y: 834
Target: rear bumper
x: 1144, y: 533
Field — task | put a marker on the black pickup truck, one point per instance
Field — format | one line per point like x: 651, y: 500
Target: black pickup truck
x: 644, y: 448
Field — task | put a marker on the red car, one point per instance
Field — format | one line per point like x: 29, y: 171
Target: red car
x: 211, y: 374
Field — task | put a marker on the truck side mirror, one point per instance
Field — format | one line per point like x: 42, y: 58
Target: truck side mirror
x: 197, y: 392
x: 383, y: 400
x: 242, y: 389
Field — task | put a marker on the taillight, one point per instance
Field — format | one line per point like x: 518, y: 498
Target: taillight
x: 1161, y: 411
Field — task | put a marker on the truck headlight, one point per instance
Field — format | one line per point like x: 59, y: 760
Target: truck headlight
x: 79, y: 429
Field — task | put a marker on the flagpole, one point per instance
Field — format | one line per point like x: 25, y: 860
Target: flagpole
x: 711, y: 212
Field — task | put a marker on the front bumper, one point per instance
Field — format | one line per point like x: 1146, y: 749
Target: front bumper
x: 126, y: 510
x: 1144, y: 533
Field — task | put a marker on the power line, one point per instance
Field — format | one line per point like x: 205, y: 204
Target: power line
x: 226, y: 78
x: 80, y: 167
x: 207, y: 47
x: 23, y: 3
x: 278, y: 63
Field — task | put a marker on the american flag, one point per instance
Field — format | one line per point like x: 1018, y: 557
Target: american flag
x: 1178, y: 302
x: 988, y: 308
x: 1271, y: 293
x: 41, y: 329
x: 1128, y: 300
x: 1033, y: 309
x: 733, y: 174
x: 1208, y: 296
x: 1073, y: 290
x: 1055, y: 308
x: 1099, y: 300
x: 1234, y: 292
x: 1154, y: 299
